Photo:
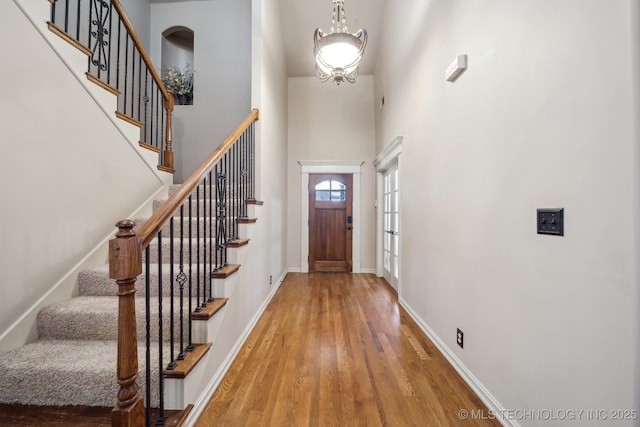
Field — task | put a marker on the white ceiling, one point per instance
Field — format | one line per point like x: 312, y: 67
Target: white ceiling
x: 300, y: 18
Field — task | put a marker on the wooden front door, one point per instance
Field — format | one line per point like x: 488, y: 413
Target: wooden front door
x: 330, y: 222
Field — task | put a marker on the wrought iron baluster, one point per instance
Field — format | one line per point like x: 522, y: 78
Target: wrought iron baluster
x: 161, y: 417
x: 118, y: 51
x: 251, y: 163
x: 234, y: 195
x: 241, y: 171
x: 99, y: 56
x: 207, y: 270
x: 110, y: 61
x: 139, y: 98
x: 211, y: 242
x: 198, y: 308
x: 133, y: 78
x: 181, y: 278
x: 230, y: 219
x: 153, y: 123
x: 53, y: 12
x: 146, y: 104
x: 78, y: 20
x: 241, y: 199
x: 172, y: 361
x: 126, y: 74
x: 221, y: 217
x: 190, y: 347
x: 216, y: 197
x: 66, y: 16
x: 147, y: 305
x: 245, y: 169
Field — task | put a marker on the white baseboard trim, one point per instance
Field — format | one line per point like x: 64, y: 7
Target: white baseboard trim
x: 202, y: 402
x: 487, y: 398
x: 362, y: 270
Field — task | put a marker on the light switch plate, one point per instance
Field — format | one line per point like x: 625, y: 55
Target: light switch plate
x: 551, y: 221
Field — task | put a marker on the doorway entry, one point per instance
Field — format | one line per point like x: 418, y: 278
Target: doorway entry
x: 388, y: 217
x: 330, y: 222
x: 347, y: 167
x: 391, y: 221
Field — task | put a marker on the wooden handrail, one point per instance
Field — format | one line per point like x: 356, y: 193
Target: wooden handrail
x: 145, y: 56
x: 150, y: 228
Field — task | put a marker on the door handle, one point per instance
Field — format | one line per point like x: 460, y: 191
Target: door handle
x: 349, y: 228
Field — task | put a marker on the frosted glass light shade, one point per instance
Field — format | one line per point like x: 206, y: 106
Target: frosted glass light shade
x: 338, y: 55
x: 339, y: 50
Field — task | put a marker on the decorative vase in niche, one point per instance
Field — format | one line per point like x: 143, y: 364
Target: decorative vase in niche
x: 183, y: 99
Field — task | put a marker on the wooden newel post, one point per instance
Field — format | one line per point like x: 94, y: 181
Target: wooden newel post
x: 125, y: 264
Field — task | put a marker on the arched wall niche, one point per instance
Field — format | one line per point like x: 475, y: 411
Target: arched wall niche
x: 177, y: 52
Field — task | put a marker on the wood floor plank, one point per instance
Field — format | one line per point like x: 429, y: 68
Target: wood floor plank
x: 336, y: 349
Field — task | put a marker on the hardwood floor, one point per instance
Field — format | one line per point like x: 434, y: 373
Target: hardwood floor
x: 23, y: 415
x: 335, y: 349
x: 68, y: 416
x: 332, y: 349
x: 71, y: 416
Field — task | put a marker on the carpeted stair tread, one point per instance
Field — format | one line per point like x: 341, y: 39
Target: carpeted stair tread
x: 57, y: 373
x: 96, y: 281
x: 96, y: 318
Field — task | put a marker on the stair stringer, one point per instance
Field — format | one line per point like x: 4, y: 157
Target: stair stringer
x: 38, y: 12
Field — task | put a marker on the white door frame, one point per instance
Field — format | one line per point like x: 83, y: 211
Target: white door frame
x: 329, y: 166
x: 387, y: 158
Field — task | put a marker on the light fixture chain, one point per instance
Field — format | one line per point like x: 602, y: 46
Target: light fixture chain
x: 339, y: 19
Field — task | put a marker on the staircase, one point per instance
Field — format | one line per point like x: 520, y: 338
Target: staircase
x: 74, y: 360
x: 86, y: 352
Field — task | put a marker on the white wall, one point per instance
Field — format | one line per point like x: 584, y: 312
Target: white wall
x: 269, y: 94
x: 266, y: 250
x: 541, y: 119
x: 222, y: 80
x: 138, y: 13
x: 68, y: 176
x: 331, y: 122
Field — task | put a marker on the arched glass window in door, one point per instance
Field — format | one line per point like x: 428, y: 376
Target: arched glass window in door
x: 331, y: 191
x: 177, y: 64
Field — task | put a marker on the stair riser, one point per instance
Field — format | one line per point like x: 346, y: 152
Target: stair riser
x: 199, y: 227
x: 189, y: 257
x: 206, y: 191
x: 205, y: 210
x: 98, y: 283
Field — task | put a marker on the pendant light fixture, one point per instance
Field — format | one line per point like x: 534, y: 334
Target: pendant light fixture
x: 338, y: 53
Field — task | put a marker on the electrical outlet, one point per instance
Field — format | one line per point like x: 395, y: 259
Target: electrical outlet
x: 460, y: 338
x: 270, y: 280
